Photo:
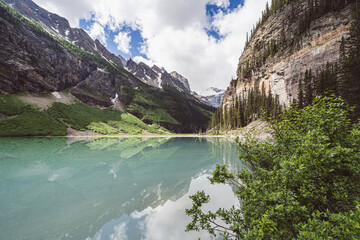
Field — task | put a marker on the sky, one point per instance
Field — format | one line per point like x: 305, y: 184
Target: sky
x: 200, y: 39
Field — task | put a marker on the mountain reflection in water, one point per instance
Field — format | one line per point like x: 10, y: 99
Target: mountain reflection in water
x: 107, y: 188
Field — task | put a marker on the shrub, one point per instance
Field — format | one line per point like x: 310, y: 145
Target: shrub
x: 11, y: 105
x: 102, y: 128
x: 125, y: 127
x: 79, y: 115
x: 32, y: 123
x: 304, y: 184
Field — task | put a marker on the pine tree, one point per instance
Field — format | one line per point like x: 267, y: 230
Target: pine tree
x: 308, y: 88
x: 300, y: 98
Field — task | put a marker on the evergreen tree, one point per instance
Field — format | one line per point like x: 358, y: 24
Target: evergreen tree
x: 350, y: 84
x: 308, y: 88
x: 300, y: 98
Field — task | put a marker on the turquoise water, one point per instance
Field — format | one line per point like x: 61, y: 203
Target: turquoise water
x: 108, y: 188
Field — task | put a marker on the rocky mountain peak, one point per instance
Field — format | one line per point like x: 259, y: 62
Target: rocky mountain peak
x: 122, y: 59
x: 182, y: 79
x: 131, y: 65
x: 157, y: 69
x: 144, y: 73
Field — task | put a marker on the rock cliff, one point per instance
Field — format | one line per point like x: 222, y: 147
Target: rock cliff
x: 312, y: 49
x: 61, y: 27
x: 34, y: 62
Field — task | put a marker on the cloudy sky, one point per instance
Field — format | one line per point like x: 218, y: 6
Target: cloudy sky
x: 200, y: 39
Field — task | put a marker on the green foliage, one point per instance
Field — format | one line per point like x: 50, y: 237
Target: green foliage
x: 154, y: 115
x: 130, y: 119
x: 305, y: 184
x: 145, y: 100
x: 158, y: 127
x: 133, y: 125
x: 32, y: 123
x: 79, y: 115
x: 349, y: 80
x: 55, y: 120
x: 11, y: 105
x: 102, y: 128
x: 335, y: 226
x: 246, y: 108
x: 126, y: 127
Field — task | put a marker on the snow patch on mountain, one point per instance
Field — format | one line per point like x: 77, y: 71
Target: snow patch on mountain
x: 212, y: 91
x: 214, y: 96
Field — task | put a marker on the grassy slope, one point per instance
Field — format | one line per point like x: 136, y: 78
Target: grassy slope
x: 28, y: 121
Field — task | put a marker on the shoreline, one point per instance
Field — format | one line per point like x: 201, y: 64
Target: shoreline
x: 128, y: 136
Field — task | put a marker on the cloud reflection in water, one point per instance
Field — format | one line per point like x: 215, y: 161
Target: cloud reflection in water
x: 167, y: 221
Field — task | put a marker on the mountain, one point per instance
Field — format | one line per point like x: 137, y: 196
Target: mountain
x: 44, y: 77
x: 181, y: 79
x: 160, y: 78
x: 214, y: 96
x: 145, y: 73
x: 292, y: 54
x: 156, y: 76
x: 122, y: 59
x: 60, y: 26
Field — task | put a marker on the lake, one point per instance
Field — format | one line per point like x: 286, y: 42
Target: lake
x: 108, y: 188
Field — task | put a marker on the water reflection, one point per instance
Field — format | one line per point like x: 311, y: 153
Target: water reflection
x: 167, y: 221
x: 106, y: 188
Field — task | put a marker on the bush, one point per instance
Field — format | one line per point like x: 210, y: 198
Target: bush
x: 32, y: 123
x: 126, y: 127
x: 79, y: 115
x: 155, y: 115
x: 130, y: 119
x: 11, y: 105
x: 102, y: 128
x: 304, y: 184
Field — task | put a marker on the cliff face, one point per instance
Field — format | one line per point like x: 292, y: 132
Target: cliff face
x: 319, y: 45
x: 35, y: 62
x: 182, y: 79
x: 157, y: 77
x: 60, y: 26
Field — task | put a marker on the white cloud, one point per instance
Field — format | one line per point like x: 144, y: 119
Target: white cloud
x: 175, y: 32
x: 139, y: 59
x: 119, y: 232
x: 123, y: 40
x: 72, y: 10
x: 97, y: 32
x: 220, y: 3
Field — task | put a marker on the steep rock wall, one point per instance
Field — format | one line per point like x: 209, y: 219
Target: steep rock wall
x: 33, y: 62
x: 311, y: 50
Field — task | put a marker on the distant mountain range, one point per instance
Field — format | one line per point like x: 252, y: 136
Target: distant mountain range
x: 214, y: 96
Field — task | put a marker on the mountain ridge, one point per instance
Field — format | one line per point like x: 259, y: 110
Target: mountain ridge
x: 60, y: 26
x: 41, y: 62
